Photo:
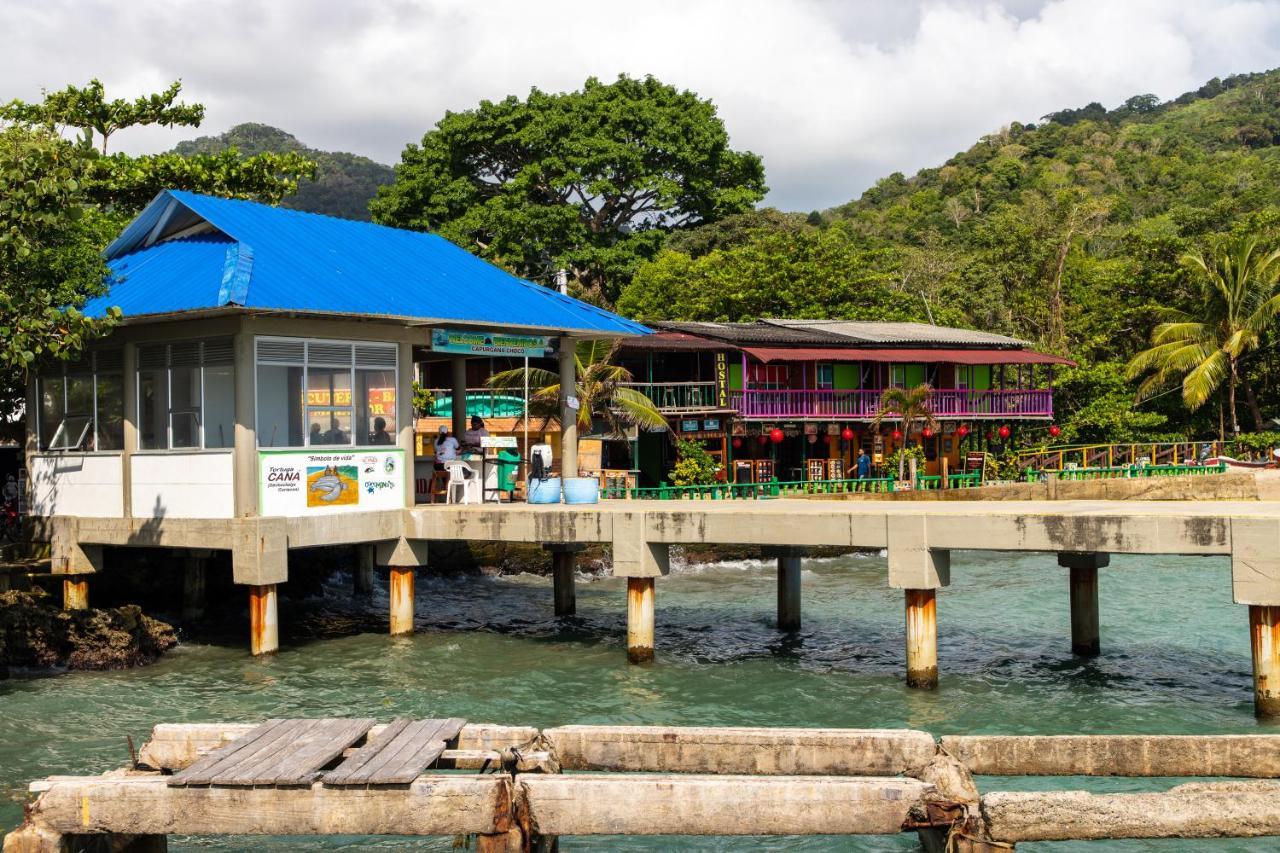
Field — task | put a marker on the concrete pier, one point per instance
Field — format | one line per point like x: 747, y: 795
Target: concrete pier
x: 922, y: 639
x: 264, y: 625
x: 1084, y: 567
x: 788, y: 586
x: 640, y: 618
x: 362, y: 577
x: 75, y: 592
x: 1264, y: 636
x: 400, y: 588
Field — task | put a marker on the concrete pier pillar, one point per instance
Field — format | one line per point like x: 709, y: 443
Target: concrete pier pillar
x: 568, y: 413
x: 640, y: 614
x: 193, y: 587
x: 362, y: 578
x: 788, y: 586
x: 458, y: 375
x: 264, y: 625
x: 563, y: 581
x: 1084, y: 567
x: 1264, y: 637
x: 401, y: 591
x: 75, y: 592
x: 922, y: 639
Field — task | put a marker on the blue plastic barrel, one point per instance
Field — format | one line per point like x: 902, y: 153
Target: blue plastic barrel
x: 544, y: 491
x: 581, y: 490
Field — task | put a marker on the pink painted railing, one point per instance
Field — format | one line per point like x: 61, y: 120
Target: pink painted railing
x: 858, y: 405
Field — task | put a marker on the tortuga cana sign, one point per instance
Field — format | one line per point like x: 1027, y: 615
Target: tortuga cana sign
x: 303, y: 482
x: 487, y: 343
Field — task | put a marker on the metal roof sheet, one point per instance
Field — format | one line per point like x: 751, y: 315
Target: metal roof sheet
x: 271, y: 258
x: 900, y: 355
x: 867, y: 331
x: 752, y: 333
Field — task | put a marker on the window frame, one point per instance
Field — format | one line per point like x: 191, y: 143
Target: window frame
x: 87, y: 367
x: 353, y: 368
x: 170, y: 410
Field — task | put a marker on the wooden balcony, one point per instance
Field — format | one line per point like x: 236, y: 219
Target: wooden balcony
x: 677, y: 397
x: 863, y: 404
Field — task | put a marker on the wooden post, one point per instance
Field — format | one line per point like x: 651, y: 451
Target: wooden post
x: 75, y: 592
x: 640, y: 611
x: 789, y: 593
x: 264, y: 628
x: 562, y: 570
x: 1264, y: 636
x: 945, y: 469
x: 1084, y: 600
x: 193, y: 587
x: 922, y: 638
x: 401, y: 589
x: 362, y: 580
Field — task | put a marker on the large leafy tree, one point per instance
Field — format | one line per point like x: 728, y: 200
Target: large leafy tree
x: 1239, y: 301
x: 589, y: 181
x: 62, y: 199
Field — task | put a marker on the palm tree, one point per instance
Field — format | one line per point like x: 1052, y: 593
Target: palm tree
x: 600, y: 391
x: 909, y: 406
x: 1239, y: 301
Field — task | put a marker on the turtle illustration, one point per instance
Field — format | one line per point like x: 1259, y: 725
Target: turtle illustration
x: 330, y: 484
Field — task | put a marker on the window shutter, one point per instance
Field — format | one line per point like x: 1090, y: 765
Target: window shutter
x: 152, y: 357
x: 281, y: 352
x: 333, y: 355
x: 375, y: 356
x: 219, y: 351
x: 185, y: 354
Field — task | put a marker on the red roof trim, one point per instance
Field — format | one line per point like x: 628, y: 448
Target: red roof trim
x: 907, y: 356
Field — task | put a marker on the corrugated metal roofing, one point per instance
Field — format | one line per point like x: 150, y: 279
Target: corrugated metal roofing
x: 752, y: 333
x: 667, y: 340
x: 270, y: 258
x: 899, y: 333
x: 901, y: 355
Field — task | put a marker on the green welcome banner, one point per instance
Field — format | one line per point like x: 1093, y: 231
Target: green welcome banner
x: 487, y: 343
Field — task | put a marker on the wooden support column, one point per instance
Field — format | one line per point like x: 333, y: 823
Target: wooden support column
x: 1084, y: 600
x: 193, y: 587
x: 1264, y: 636
x: 922, y: 639
x: 401, y: 591
x: 362, y: 577
x: 640, y: 613
x: 75, y: 592
x: 264, y: 626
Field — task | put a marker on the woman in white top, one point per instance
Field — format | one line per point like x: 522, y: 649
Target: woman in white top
x: 446, y: 448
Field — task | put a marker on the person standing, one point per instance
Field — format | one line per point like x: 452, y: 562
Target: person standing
x: 864, y: 464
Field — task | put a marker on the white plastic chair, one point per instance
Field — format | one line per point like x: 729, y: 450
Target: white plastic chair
x: 464, y: 484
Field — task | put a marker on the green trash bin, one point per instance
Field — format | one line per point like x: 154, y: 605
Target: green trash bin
x: 507, y: 464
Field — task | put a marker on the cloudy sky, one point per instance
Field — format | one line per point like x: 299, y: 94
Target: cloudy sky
x: 832, y: 94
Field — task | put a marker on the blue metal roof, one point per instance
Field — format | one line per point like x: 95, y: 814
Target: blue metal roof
x: 259, y: 257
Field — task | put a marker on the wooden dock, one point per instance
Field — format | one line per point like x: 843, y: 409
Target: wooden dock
x: 503, y: 785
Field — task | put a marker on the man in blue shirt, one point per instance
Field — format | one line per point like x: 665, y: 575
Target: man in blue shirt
x: 864, y: 464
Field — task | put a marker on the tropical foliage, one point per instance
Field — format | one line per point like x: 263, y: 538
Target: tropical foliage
x: 604, y: 401
x: 694, y: 465
x: 909, y: 407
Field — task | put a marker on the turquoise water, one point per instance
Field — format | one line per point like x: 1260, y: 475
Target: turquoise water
x: 1175, y: 660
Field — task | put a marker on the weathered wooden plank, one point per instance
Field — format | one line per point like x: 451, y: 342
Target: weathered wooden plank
x: 1198, y: 810
x: 772, y: 751
x: 300, y: 760
x: 399, y: 758
x: 366, y: 754
x: 652, y: 804
x: 292, y: 735
x: 1118, y: 755
x: 440, y: 804
x: 200, y: 772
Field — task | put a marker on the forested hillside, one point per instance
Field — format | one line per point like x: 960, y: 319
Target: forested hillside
x: 343, y: 185
x: 1068, y: 233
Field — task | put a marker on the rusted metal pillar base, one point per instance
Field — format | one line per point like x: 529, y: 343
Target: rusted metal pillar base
x: 789, y: 593
x: 401, y: 589
x: 563, y: 581
x: 264, y: 626
x: 922, y: 639
x: 193, y: 587
x: 75, y: 592
x: 362, y: 579
x: 36, y: 839
x: 511, y: 841
x: 1264, y: 636
x: 1084, y: 600
x: 640, y: 613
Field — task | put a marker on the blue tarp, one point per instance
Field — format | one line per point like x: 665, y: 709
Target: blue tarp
x: 271, y: 258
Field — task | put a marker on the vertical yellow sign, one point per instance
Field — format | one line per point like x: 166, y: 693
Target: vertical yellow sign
x: 722, y: 381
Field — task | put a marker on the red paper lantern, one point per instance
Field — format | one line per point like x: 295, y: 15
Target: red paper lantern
x: 737, y: 443
x: 927, y: 432
x: 846, y: 434
x: 962, y: 430
x: 776, y: 435
x: 1005, y: 432
x: 764, y: 439
x: 897, y: 435
x: 1055, y: 430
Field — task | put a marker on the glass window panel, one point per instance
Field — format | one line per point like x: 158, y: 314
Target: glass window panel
x: 110, y: 428
x: 184, y: 406
x: 280, y: 406
x: 52, y: 408
x: 153, y: 409
x: 72, y: 433
x: 329, y: 386
x: 376, y: 407
x: 329, y: 427
x: 219, y: 406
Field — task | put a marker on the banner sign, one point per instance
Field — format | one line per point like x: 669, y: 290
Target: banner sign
x: 303, y: 482
x: 488, y: 343
x: 722, y: 381
x: 497, y: 441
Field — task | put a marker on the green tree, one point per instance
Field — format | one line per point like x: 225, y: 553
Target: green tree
x: 694, y: 465
x: 910, y: 408
x: 590, y: 181
x: 601, y: 390
x: 1238, y: 304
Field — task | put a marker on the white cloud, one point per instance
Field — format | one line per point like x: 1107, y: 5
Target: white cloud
x: 832, y: 95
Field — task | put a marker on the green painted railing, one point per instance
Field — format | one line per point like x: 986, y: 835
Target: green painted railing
x: 930, y: 482
x: 1129, y: 471
x: 748, y: 491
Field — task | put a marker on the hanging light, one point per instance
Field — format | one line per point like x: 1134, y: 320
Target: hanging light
x: 764, y: 439
x: 927, y: 432
x: 737, y: 443
x: 776, y: 435
x: 1005, y: 432
x: 962, y: 430
x: 897, y: 435
x: 846, y: 434
x: 1055, y: 430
